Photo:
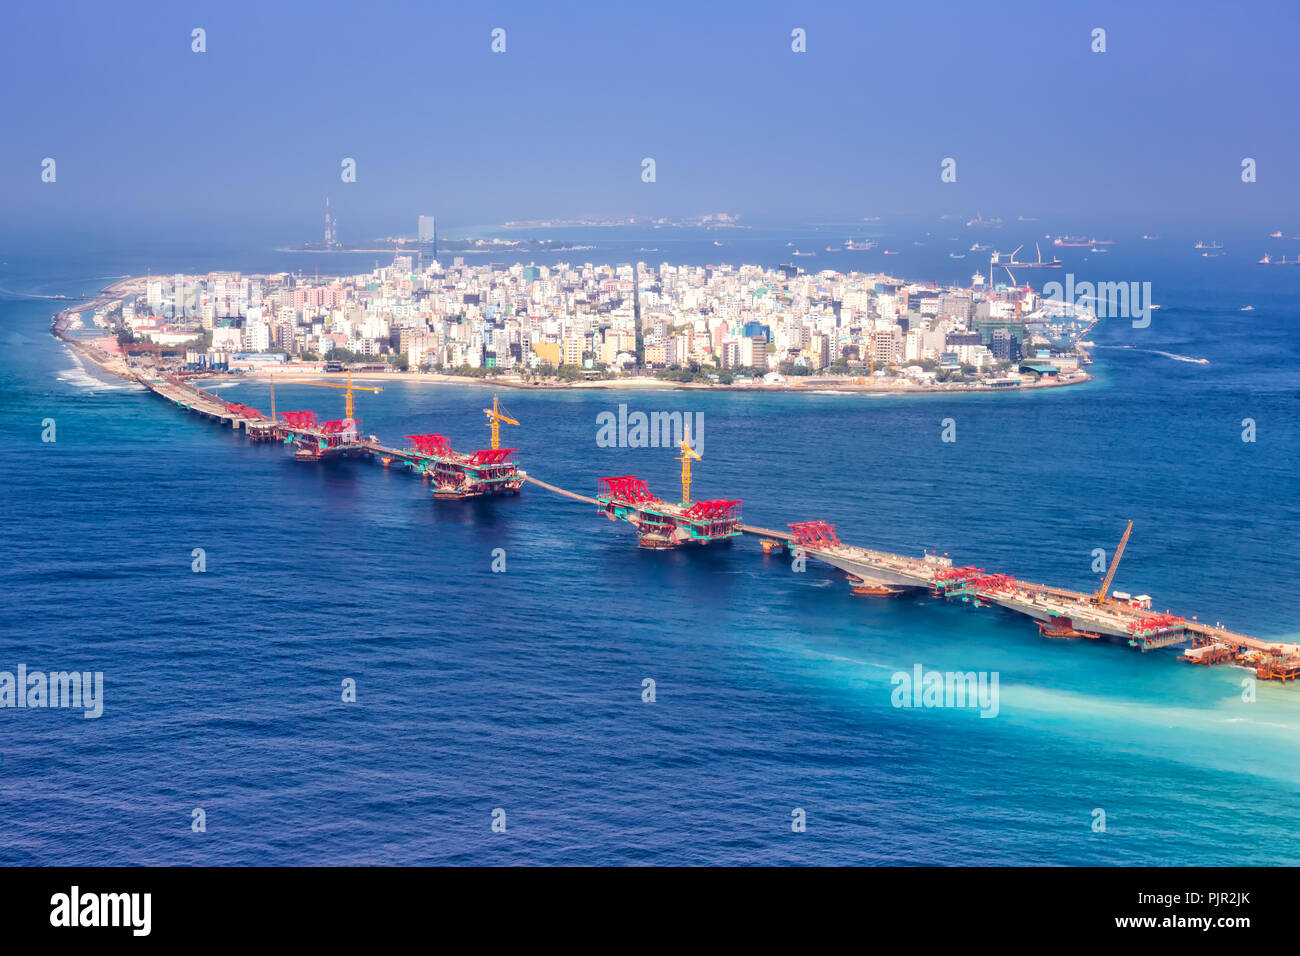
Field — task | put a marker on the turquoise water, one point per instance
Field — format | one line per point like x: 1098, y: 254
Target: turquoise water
x: 522, y: 690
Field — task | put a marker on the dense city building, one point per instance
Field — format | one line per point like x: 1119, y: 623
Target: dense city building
x: 591, y: 321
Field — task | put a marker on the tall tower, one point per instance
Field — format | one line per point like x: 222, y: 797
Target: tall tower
x: 427, y: 236
x: 636, y: 293
x: 329, y: 225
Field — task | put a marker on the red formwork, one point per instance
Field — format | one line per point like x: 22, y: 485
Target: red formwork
x: 814, y: 534
x: 719, y: 509
x: 243, y: 410
x: 957, y: 575
x: 433, y: 445
x: 625, y: 488
x: 491, y: 456
x: 994, y: 582
x: 1155, y: 624
x: 346, y: 424
x: 299, y: 419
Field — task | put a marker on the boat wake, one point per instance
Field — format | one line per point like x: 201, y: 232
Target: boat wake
x: 1169, y: 355
x: 1178, y: 358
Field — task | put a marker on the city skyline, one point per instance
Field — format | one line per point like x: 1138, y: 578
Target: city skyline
x: 755, y: 326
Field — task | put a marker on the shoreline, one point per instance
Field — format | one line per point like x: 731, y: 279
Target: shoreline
x: 113, y: 365
x: 118, y: 367
x: 289, y: 374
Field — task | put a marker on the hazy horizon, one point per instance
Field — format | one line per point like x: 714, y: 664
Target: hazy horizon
x: 247, y: 138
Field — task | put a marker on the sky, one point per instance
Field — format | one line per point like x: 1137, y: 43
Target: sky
x: 148, y: 135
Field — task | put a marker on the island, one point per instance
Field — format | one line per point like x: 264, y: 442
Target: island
x: 591, y: 326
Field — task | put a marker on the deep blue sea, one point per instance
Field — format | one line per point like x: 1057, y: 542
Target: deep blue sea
x: 522, y: 690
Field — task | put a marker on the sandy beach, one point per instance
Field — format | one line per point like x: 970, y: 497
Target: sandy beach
x: 808, y: 385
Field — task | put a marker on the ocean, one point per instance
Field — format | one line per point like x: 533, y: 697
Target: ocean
x: 484, y: 696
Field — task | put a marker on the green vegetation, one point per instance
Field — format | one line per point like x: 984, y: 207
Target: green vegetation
x: 471, y: 372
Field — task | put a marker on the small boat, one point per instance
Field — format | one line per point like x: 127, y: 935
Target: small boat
x: 954, y: 255
x: 1247, y: 308
x: 874, y: 590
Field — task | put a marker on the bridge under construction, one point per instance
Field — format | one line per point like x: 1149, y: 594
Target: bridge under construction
x: 1060, y: 613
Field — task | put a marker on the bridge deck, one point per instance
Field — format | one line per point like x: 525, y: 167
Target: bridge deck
x: 1022, y: 596
x: 560, y: 491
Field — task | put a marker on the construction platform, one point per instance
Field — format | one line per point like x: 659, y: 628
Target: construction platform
x: 663, y: 524
x: 318, y: 441
x: 482, y: 473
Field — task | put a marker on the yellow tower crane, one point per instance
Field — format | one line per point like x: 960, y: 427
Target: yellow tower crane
x: 1100, y: 596
x: 495, y: 418
x: 687, y: 454
x: 349, y: 387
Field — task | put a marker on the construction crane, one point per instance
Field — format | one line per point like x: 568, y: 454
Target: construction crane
x: 349, y: 387
x: 495, y: 418
x: 687, y: 454
x: 1100, y: 596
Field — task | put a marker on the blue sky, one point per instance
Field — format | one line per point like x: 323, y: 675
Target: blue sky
x: 250, y: 134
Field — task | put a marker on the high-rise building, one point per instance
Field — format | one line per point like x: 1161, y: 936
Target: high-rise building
x: 427, y: 236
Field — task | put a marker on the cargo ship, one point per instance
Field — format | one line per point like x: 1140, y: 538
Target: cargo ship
x: 1011, y: 260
